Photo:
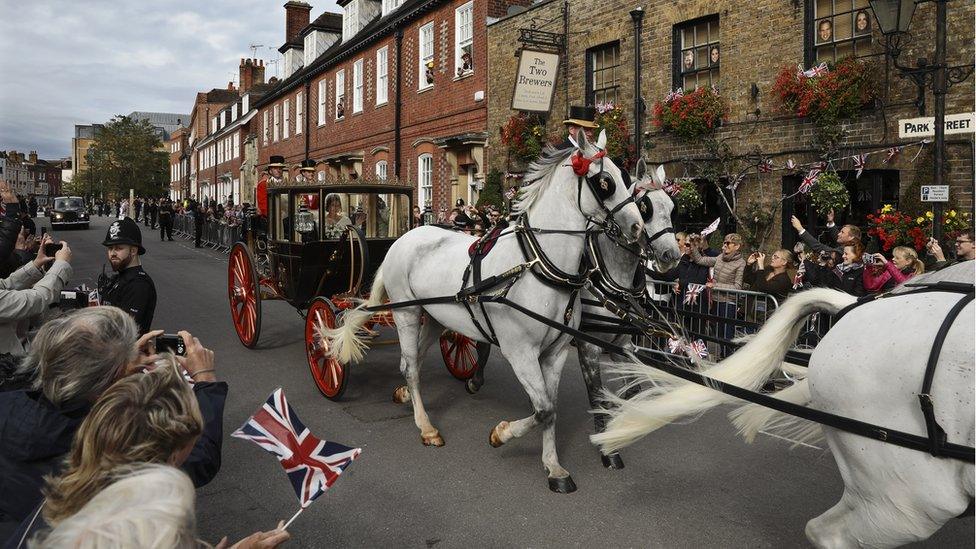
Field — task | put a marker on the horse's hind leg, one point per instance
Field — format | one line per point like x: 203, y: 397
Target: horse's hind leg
x: 474, y: 384
x: 415, y: 339
x: 589, y: 359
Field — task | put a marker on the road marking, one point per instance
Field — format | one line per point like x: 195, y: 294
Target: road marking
x: 788, y: 439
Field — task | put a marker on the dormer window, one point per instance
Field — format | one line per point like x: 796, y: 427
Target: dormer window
x: 245, y: 104
x: 350, y: 20
x: 390, y: 5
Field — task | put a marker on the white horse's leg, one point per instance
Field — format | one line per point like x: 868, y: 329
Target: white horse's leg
x: 413, y: 341
x: 552, y: 368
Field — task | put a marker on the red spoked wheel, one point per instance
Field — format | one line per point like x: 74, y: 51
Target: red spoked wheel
x: 244, y: 291
x: 329, y: 375
x: 460, y: 354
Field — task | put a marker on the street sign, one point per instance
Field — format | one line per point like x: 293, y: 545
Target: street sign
x: 935, y: 193
x: 923, y: 127
x: 535, y: 81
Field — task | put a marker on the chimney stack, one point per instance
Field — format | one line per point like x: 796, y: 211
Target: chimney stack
x: 33, y: 157
x: 251, y: 73
x: 296, y: 18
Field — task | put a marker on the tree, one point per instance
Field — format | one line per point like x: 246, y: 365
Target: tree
x: 125, y: 155
x: 492, y: 193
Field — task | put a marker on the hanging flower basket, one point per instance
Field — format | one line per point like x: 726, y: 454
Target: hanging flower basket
x: 893, y: 228
x: 524, y: 135
x: 826, y: 93
x: 686, y: 196
x: 691, y: 115
x: 612, y: 119
x: 829, y: 193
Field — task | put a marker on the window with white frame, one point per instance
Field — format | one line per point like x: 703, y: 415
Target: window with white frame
x: 299, y: 113
x: 233, y: 112
x: 426, y: 71
x: 464, y: 39
x: 277, y: 123
x: 382, y: 78
x: 390, y: 5
x: 425, y: 180
x: 323, y: 101
x: 381, y: 170
x: 350, y: 20
x: 357, y: 86
x: 245, y: 104
x: 286, y: 127
x: 340, y: 94
x: 237, y: 145
x: 264, y: 120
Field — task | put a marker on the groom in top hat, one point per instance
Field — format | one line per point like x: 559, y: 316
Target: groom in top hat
x: 274, y: 175
x: 306, y: 173
x: 580, y: 117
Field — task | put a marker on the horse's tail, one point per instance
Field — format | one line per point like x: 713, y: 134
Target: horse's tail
x: 749, y: 367
x: 752, y: 418
x: 347, y: 341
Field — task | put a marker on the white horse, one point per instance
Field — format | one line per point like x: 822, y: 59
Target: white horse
x: 619, y: 268
x: 429, y: 262
x: 892, y: 495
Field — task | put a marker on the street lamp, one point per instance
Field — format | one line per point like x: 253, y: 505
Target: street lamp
x: 428, y: 216
x: 894, y: 18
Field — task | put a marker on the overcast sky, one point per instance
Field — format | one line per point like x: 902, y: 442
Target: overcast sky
x: 67, y: 62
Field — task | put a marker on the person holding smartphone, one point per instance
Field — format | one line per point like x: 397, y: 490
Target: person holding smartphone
x: 29, y: 290
x: 965, y: 250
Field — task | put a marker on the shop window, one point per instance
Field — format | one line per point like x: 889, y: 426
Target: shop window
x: 697, y: 53
x: 603, y: 73
x: 837, y: 29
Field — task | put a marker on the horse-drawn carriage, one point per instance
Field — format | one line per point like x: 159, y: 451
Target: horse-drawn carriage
x: 315, y: 249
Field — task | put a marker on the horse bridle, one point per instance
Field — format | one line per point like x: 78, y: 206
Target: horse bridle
x: 641, y: 205
x: 601, y: 185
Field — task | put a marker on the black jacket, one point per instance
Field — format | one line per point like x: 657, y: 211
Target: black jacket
x: 133, y: 291
x: 9, y: 229
x: 685, y: 272
x: 35, y: 437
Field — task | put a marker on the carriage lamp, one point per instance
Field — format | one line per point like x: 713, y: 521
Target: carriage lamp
x: 428, y: 215
x: 894, y: 19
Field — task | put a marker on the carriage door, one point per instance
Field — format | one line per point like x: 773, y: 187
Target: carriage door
x: 284, y: 254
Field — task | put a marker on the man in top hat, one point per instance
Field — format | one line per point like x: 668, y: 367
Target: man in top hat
x: 306, y: 173
x: 273, y: 175
x: 580, y: 117
x: 131, y: 289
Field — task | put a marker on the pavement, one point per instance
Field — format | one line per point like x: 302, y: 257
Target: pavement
x: 693, y: 485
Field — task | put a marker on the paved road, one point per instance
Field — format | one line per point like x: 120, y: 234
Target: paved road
x: 687, y: 486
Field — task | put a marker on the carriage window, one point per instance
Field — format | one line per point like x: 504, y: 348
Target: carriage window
x: 281, y: 219
x: 377, y: 215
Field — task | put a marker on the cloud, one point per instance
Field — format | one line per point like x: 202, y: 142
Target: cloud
x: 71, y: 62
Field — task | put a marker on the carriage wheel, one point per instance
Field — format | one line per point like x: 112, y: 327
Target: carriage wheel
x: 244, y: 291
x: 460, y: 354
x: 329, y: 375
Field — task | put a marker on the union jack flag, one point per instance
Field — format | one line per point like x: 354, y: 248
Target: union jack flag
x: 692, y: 292
x: 672, y: 186
x: 698, y: 347
x: 859, y: 161
x: 511, y: 193
x: 312, y: 465
x: 811, y: 178
x: 798, y: 277
x: 813, y: 71
x: 892, y: 153
x: 735, y: 182
x: 711, y: 227
x: 766, y: 165
x: 790, y: 164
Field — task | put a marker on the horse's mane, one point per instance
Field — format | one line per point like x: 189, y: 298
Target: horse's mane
x: 539, y: 176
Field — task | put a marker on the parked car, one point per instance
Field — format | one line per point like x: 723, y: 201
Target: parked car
x: 69, y: 211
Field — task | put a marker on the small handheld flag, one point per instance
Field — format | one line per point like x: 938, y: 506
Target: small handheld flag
x: 711, y: 228
x: 313, y: 465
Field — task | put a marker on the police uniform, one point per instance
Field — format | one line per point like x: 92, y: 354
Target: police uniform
x: 131, y: 290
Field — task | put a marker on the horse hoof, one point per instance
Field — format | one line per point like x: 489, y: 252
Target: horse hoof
x: 433, y: 440
x: 613, y: 461
x: 471, y: 387
x: 562, y: 485
x: 494, y: 438
x: 401, y: 394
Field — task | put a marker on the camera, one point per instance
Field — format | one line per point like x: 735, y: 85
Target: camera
x: 51, y: 248
x: 73, y: 300
x: 171, y: 343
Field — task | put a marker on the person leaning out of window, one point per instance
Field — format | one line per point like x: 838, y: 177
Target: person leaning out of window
x: 773, y: 278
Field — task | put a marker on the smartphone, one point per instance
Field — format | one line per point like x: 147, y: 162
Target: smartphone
x: 43, y: 231
x: 170, y: 343
x: 51, y: 248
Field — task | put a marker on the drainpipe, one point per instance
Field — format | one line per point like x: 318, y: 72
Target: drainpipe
x: 638, y: 16
x: 308, y: 87
x: 397, y: 104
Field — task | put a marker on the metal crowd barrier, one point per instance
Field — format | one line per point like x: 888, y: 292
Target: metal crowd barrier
x: 216, y: 235
x: 718, y: 316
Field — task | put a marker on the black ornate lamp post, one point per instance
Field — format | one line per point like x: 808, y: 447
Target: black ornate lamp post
x: 894, y: 18
x: 637, y: 15
x: 428, y: 216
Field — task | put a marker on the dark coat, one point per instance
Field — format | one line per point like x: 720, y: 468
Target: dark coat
x: 35, y: 437
x: 134, y: 292
x: 779, y: 286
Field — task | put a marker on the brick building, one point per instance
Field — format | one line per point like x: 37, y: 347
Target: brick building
x: 388, y: 90
x: 179, y: 162
x: 31, y: 176
x: 203, y: 157
x: 740, y: 47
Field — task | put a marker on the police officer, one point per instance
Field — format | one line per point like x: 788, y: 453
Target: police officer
x: 131, y: 289
x: 166, y: 219
x: 199, y: 216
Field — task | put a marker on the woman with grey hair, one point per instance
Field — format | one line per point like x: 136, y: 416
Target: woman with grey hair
x: 73, y: 360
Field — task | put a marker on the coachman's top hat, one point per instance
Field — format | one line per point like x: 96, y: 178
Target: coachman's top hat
x: 124, y: 231
x: 582, y: 116
x: 277, y: 161
x: 308, y: 165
